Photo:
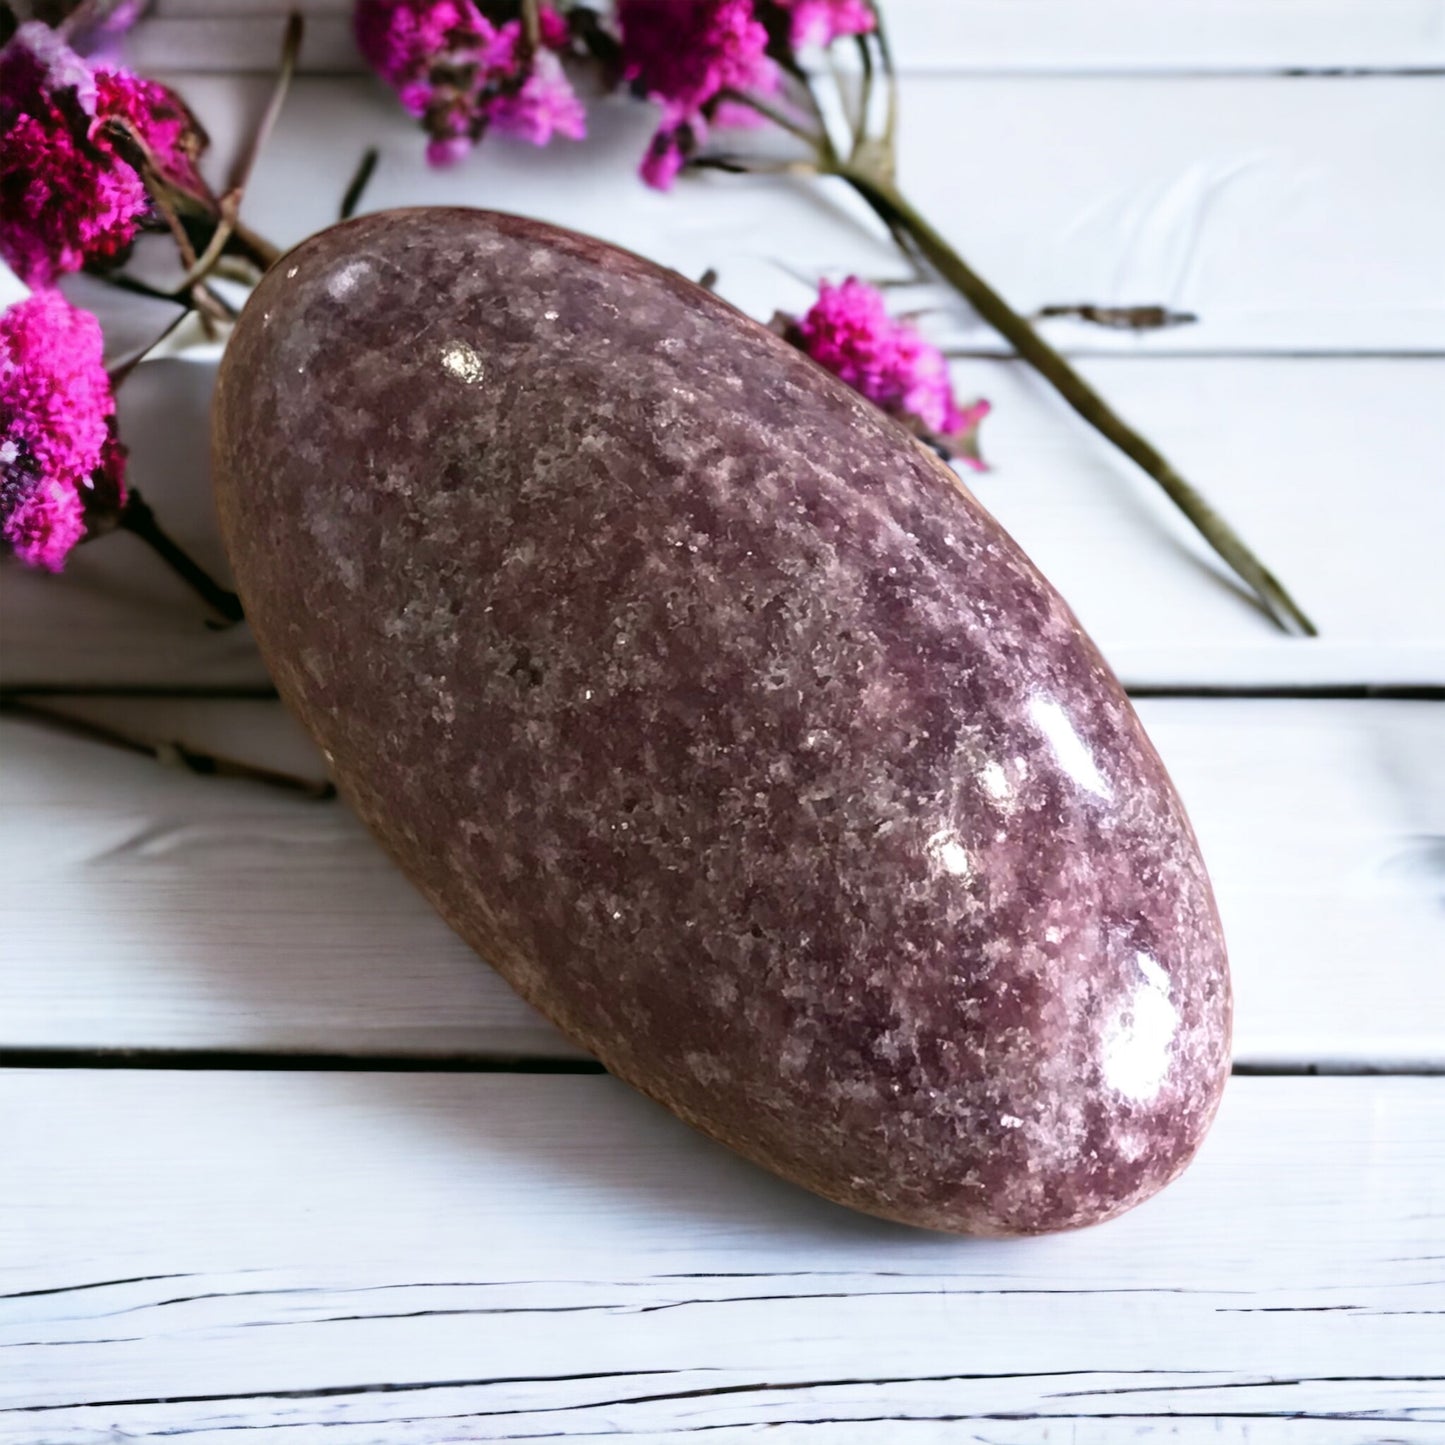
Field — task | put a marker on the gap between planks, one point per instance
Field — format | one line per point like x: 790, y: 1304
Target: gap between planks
x: 226, y: 1060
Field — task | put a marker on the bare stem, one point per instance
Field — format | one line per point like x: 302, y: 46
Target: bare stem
x: 816, y: 140
x: 137, y: 518
x: 360, y: 179
x: 899, y: 215
x: 865, y: 93
x: 890, y: 72
x: 286, y: 68
x: 167, y: 752
x: 256, y: 249
x: 531, y: 25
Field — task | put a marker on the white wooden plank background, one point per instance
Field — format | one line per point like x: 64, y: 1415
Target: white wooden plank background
x: 1332, y: 468
x: 405, y: 1257
x: 381, y: 1258
x: 1123, y: 37
x: 1261, y: 203
x: 1323, y: 820
x: 1251, y: 201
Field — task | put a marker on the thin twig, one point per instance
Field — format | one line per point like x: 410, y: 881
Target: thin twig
x: 167, y: 752
x: 865, y: 99
x: 737, y: 165
x: 1119, y: 318
x: 890, y: 72
x: 137, y: 518
x: 804, y: 82
x: 290, y: 49
x: 257, y: 249
x: 531, y: 26
x: 854, y: 117
x: 817, y: 141
x: 360, y: 179
x: 1083, y: 398
x: 119, y: 373
x: 202, y: 266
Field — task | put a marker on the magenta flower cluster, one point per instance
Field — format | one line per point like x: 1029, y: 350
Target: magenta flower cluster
x: 70, y: 195
x: 849, y: 332
x: 77, y: 136
x: 60, y: 462
x: 690, y: 56
x: 463, y: 74
x: 821, y: 22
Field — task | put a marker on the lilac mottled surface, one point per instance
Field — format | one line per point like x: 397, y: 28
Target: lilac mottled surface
x: 707, y: 708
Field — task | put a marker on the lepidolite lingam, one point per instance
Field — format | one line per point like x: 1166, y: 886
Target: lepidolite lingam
x: 703, y: 701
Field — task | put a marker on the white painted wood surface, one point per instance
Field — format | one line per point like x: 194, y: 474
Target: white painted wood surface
x: 1331, y: 468
x: 408, y: 1258
x: 1250, y: 201
x: 235, y: 917
x: 960, y: 37
x: 405, y: 1258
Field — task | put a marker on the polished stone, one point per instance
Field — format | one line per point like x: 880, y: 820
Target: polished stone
x: 707, y: 707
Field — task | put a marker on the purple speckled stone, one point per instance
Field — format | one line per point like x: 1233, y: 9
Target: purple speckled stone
x: 709, y: 709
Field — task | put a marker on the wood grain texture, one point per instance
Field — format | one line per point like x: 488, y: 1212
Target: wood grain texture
x: 403, y: 1258
x: 1251, y: 202
x: 145, y: 908
x: 1349, y: 514
x: 1259, y: 203
x: 1117, y: 37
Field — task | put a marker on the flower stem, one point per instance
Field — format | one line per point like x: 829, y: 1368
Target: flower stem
x: 899, y: 215
x: 165, y: 751
x: 256, y: 249
x: 815, y: 140
x: 136, y: 517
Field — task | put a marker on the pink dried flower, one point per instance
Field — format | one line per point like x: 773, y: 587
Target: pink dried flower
x: 157, y: 117
x: 68, y: 197
x: 556, y: 34
x: 849, y: 332
x: 545, y: 104
x: 821, y: 22
x: 61, y: 467
x: 686, y: 55
x: 461, y: 73
x: 405, y: 40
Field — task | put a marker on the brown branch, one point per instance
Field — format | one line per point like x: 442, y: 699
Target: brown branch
x: 896, y: 212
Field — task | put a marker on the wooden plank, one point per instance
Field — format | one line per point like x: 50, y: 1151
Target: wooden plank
x: 1109, y: 36
x: 1259, y: 204
x: 1330, y: 468
x: 426, y: 1258
x: 143, y: 908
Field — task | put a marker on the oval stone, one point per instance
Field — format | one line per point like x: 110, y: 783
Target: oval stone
x: 705, y: 704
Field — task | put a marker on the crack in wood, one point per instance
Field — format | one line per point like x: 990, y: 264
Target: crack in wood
x: 1262, y: 1384
x: 96, y: 1284
x: 323, y: 1392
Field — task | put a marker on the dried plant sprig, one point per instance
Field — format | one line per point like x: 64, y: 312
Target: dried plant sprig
x: 718, y: 61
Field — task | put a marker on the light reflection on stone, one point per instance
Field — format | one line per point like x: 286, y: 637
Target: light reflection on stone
x: 1138, y: 1043
x: 1073, y: 756
x: 462, y: 362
